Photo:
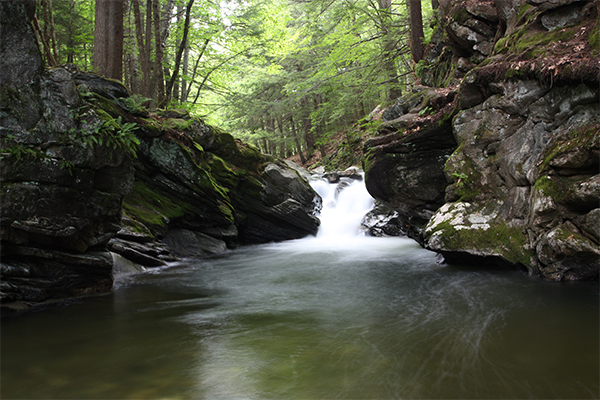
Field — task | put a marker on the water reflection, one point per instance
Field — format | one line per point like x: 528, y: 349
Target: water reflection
x: 309, y: 319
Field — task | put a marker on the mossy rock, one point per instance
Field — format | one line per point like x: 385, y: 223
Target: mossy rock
x: 583, y: 138
x: 150, y: 207
x: 477, y: 229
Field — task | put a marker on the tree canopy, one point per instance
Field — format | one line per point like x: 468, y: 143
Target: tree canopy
x: 282, y: 74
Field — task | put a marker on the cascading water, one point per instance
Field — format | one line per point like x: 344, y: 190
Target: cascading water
x: 344, y: 206
x: 340, y: 315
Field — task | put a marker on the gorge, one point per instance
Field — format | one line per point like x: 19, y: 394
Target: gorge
x: 339, y: 315
x: 493, y: 159
x: 193, y: 266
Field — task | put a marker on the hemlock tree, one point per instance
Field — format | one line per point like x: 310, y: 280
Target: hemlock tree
x: 108, y: 38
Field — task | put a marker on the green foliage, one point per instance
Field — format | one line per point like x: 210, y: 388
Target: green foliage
x: 21, y: 152
x: 135, y: 104
x: 283, y: 74
x: 110, y: 132
x: 461, y: 177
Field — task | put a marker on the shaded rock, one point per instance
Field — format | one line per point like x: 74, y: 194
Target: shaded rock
x: 108, y: 88
x: 522, y: 177
x: 60, y: 197
x: 563, y: 17
x: 517, y: 143
x: 124, y: 266
x: 406, y: 172
x: 567, y: 255
x: 284, y: 221
x: 186, y: 243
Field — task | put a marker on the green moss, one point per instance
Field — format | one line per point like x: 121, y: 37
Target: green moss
x: 549, y: 187
x: 105, y: 104
x: 585, y: 135
x: 466, y: 175
x: 149, y: 206
x: 531, y: 43
x: 524, y: 8
x: 153, y: 126
x: 500, y: 238
x: 178, y: 124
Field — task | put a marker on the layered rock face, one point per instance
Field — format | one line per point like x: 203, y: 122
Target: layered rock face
x: 90, y: 176
x: 521, y: 181
x: 60, y: 198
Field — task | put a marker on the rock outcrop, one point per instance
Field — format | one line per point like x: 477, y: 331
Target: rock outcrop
x: 61, y: 197
x: 521, y: 180
x: 91, y: 179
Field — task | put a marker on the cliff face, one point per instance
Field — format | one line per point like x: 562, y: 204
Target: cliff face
x: 521, y: 178
x: 60, y: 199
x: 88, y: 173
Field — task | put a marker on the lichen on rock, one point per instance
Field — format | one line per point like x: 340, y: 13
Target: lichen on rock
x: 521, y: 181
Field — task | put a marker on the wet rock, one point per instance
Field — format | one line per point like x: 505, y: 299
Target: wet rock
x: 513, y: 144
x: 383, y: 221
x: 405, y: 171
x: 186, y: 243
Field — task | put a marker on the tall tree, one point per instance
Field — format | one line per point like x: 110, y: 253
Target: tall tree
x: 416, y: 30
x: 180, y: 50
x: 108, y: 38
x: 158, y: 55
x: 142, y: 48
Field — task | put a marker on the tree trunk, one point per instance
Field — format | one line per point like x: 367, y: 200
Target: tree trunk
x: 389, y: 50
x: 49, y: 39
x: 101, y: 36
x: 71, y: 41
x: 186, y: 29
x: 115, y: 60
x: 148, y: 48
x: 416, y: 30
x: 158, y: 57
x: 186, y: 62
x: 176, y: 87
x: 44, y: 40
x: 108, y: 38
x: 144, y: 57
x: 52, y: 30
x: 297, y: 141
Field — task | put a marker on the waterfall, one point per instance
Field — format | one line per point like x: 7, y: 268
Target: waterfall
x: 344, y: 206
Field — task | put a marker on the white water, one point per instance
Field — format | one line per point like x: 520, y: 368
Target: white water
x: 340, y: 315
x: 343, y: 208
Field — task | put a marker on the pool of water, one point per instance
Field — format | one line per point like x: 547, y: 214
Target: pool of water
x: 347, y: 318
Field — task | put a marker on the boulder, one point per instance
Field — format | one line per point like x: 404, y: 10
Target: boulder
x: 383, y: 221
x: 526, y: 162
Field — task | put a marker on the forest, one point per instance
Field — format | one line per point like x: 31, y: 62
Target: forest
x: 284, y: 75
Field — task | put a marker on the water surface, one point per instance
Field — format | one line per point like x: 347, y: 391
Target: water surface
x: 338, y: 316
x: 353, y: 318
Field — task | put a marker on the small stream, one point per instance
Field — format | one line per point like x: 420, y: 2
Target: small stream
x: 336, y: 316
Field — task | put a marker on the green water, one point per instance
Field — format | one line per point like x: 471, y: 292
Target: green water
x: 354, y: 319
